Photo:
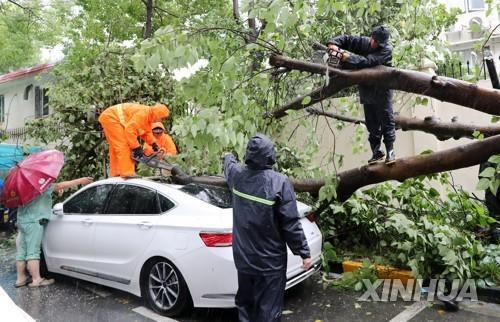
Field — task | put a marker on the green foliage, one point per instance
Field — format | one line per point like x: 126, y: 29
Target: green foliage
x: 354, y: 280
x: 235, y: 89
x: 412, y: 225
x: 80, y: 93
x: 24, y: 32
x: 490, y: 176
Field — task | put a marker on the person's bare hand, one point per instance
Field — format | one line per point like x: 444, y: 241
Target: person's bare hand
x: 86, y: 180
x: 306, y: 263
x: 333, y: 47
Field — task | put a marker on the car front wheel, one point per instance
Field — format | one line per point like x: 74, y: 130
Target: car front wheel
x: 164, y: 288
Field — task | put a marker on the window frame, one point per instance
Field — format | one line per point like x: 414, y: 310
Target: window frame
x: 79, y: 192
x: 157, y: 193
x: 2, y: 108
x: 470, y: 9
x: 42, y: 108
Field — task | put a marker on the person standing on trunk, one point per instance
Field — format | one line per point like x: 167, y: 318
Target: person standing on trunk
x: 364, y: 52
x: 265, y: 220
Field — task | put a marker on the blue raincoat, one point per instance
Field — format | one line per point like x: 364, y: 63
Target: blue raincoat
x: 265, y: 216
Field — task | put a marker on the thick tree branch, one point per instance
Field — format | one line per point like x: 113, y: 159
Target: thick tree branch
x: 442, y: 88
x: 148, y: 28
x: 351, y: 180
x: 442, y: 130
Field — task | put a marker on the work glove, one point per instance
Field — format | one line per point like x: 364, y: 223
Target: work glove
x: 155, y: 147
x: 137, y: 153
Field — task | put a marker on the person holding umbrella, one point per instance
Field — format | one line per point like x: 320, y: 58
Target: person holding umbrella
x: 29, y: 186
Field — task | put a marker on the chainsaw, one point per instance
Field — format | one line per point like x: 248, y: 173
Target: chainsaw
x: 324, y: 55
x: 154, y: 162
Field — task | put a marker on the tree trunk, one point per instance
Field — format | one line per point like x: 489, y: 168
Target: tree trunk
x: 443, y: 88
x: 441, y: 130
x: 148, y: 27
x: 236, y: 11
x: 351, y: 180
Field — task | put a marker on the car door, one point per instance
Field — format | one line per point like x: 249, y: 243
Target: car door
x: 69, y: 236
x: 125, y: 231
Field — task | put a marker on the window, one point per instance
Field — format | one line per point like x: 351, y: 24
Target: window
x: 133, y: 200
x: 2, y: 109
x: 217, y: 196
x: 89, y: 201
x: 165, y: 204
x: 41, y: 102
x: 475, y: 5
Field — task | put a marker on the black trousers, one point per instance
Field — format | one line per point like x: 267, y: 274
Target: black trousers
x: 380, y: 122
x: 260, y: 297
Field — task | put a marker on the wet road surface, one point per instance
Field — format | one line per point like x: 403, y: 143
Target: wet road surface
x: 72, y: 300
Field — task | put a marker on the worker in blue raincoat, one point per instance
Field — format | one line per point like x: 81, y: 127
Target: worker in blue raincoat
x: 265, y: 220
x: 363, y: 52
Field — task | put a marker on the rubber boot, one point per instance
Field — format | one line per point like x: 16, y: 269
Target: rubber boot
x: 391, y: 156
x: 378, y: 155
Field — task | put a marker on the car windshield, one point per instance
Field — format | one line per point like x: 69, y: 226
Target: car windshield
x: 217, y: 196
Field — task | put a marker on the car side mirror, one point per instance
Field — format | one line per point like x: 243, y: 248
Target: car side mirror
x: 58, y: 209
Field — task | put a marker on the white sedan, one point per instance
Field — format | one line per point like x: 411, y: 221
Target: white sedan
x: 169, y: 244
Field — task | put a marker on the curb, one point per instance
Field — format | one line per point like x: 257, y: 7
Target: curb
x: 383, y: 272
x: 486, y: 294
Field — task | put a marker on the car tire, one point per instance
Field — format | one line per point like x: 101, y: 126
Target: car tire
x: 163, y: 288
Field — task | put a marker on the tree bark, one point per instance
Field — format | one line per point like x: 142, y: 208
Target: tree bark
x: 441, y: 130
x: 351, y: 180
x: 148, y: 27
x: 442, y: 88
x: 236, y: 11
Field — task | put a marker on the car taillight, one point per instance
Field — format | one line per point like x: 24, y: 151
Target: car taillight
x: 217, y: 239
x: 311, y: 216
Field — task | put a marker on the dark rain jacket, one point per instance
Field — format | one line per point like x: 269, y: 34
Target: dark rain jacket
x: 364, y: 57
x: 265, y: 216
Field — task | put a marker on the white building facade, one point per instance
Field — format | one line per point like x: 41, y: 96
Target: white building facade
x: 23, y: 97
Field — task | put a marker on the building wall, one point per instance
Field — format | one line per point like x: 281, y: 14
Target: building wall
x: 19, y: 110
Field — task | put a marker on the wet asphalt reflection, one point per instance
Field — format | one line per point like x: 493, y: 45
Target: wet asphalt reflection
x: 72, y: 300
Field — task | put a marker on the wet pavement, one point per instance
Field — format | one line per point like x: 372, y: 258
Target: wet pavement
x: 71, y: 300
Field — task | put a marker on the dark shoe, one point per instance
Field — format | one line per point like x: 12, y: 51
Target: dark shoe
x: 391, y: 157
x: 377, y: 156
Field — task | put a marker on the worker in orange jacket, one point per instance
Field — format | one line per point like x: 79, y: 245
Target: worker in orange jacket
x: 164, y: 141
x: 122, y: 124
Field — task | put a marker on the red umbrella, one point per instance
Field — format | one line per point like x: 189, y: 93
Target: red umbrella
x: 30, y: 178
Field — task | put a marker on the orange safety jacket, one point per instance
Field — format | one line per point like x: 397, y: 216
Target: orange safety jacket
x: 136, y: 120
x: 164, y: 142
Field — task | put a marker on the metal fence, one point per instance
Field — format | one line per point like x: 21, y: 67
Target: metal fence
x: 459, y: 69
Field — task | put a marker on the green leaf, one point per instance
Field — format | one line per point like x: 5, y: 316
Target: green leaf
x: 494, y: 186
x: 488, y: 172
x: 306, y: 100
x: 494, y: 159
x: 483, y: 184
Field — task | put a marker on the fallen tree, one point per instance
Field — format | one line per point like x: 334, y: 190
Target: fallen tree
x: 351, y: 180
x: 442, y: 88
x: 441, y: 130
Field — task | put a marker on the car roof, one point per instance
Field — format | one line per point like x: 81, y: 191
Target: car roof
x: 172, y: 190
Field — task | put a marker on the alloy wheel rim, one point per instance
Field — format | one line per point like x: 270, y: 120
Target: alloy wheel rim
x: 163, y: 285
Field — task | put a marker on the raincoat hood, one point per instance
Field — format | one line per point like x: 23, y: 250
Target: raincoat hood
x: 158, y: 112
x: 158, y: 124
x: 260, y: 152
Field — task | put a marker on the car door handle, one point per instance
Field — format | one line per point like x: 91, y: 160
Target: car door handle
x: 87, y: 221
x: 145, y: 224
